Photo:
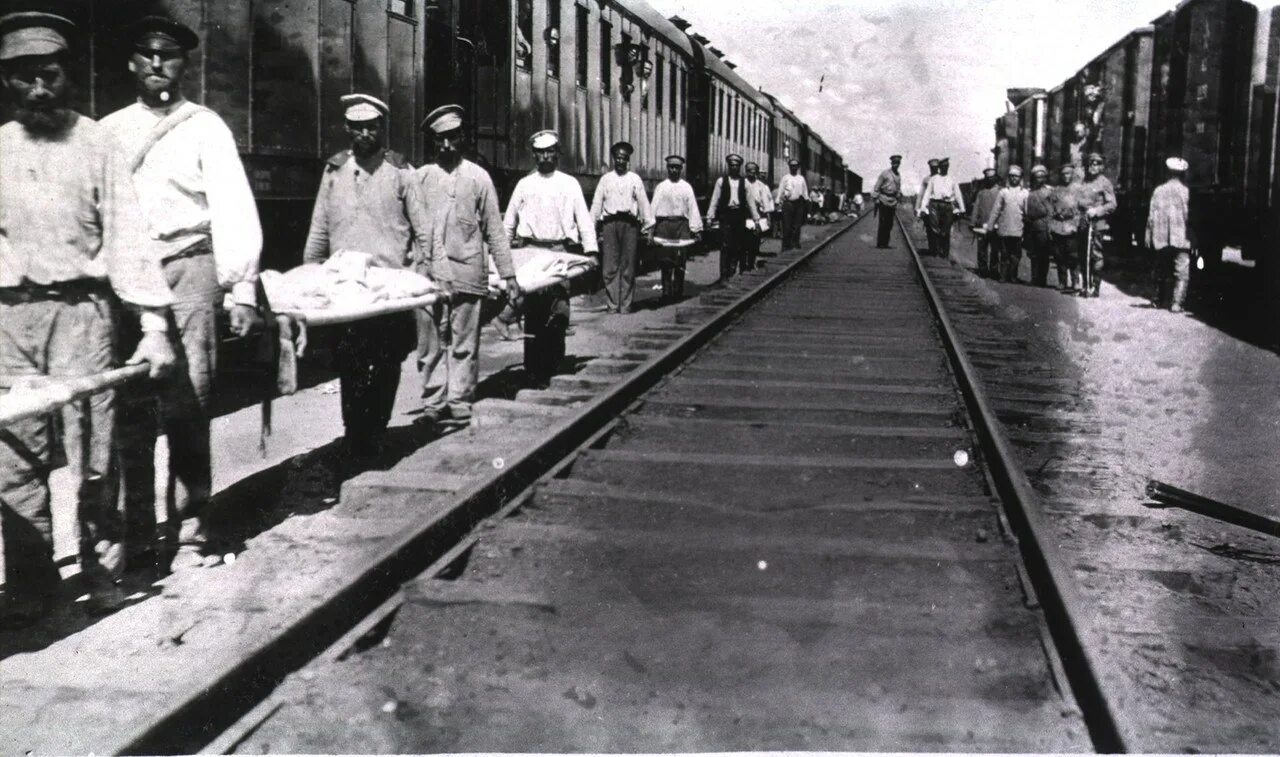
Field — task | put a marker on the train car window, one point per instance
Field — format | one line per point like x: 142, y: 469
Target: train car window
x: 584, y: 26
x: 401, y: 7
x: 720, y: 112
x: 524, y: 34
x: 606, y: 57
x: 684, y: 96
x: 484, y: 23
x: 674, y: 98
x: 553, y: 38
x: 659, y: 75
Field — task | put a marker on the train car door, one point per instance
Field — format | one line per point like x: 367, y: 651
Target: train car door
x: 483, y: 80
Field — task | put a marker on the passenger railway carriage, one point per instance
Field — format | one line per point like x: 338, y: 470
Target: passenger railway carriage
x: 598, y: 71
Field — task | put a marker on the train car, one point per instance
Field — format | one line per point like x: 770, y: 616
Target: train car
x: 732, y: 117
x: 1055, y: 137
x: 1028, y: 142
x: 1263, y: 157
x: 786, y: 133
x: 854, y: 184
x: 1203, y: 57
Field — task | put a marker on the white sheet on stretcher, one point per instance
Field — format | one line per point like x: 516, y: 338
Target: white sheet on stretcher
x: 537, y: 268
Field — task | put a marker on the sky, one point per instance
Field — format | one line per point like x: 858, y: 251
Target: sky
x: 924, y: 78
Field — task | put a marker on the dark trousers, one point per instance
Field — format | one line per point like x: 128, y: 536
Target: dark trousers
x: 179, y: 407
x: 733, y: 240
x: 546, y: 318
x: 1174, y: 269
x: 368, y: 358
x: 1010, y: 258
x: 792, y: 221
x: 752, y: 251
x: 938, y: 220
x: 1040, y: 251
x: 988, y: 254
x: 884, y: 225
x: 619, y: 240
x: 1092, y: 254
x: 1066, y: 257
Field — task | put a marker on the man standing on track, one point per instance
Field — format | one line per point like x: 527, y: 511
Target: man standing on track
x: 758, y: 194
x: 887, y: 192
x: 548, y: 210
x: 792, y: 194
x: 1097, y: 198
x: 675, y: 210
x: 466, y: 229
x: 367, y: 204
x: 1007, y: 223
x: 202, y: 220
x: 988, y: 254
x: 1035, y: 235
x: 1064, y: 231
x: 730, y: 206
x: 621, y: 211
x: 70, y: 245
x: 939, y: 203
x: 1169, y: 234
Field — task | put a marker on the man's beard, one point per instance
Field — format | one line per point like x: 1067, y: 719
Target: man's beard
x: 45, y: 121
x: 364, y: 148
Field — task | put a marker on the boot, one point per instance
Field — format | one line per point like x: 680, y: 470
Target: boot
x: 677, y: 283
x: 1179, y: 296
x: 666, y: 283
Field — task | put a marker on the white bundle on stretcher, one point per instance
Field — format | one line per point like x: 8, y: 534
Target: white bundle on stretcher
x: 344, y: 282
x: 537, y: 268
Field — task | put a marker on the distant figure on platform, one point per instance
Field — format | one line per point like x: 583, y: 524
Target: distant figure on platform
x: 1064, y: 230
x: 1007, y: 222
x: 621, y: 211
x: 758, y: 194
x: 548, y: 210
x: 988, y: 253
x: 467, y: 231
x: 675, y: 210
x: 1036, y: 236
x: 72, y: 249
x: 887, y: 192
x: 934, y: 163
x: 736, y: 215
x: 1097, y: 198
x: 942, y: 199
x: 366, y: 205
x: 202, y: 221
x: 1169, y: 234
x: 793, y: 193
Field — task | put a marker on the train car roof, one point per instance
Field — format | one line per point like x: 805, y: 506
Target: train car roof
x: 779, y: 107
x: 647, y: 15
x: 1140, y: 31
x: 728, y: 75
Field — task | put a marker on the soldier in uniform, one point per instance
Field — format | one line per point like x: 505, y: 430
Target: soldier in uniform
x: 675, y: 210
x: 1035, y: 236
x: 988, y: 254
x: 1064, y: 231
x: 367, y: 204
x: 548, y: 210
x: 1007, y: 223
x: 939, y: 203
x: 466, y: 231
x: 202, y: 221
x: 1097, y: 199
x: 792, y: 194
x: 759, y: 195
x: 70, y: 245
x: 1169, y: 234
x: 886, y: 192
x: 621, y: 211
x: 730, y: 207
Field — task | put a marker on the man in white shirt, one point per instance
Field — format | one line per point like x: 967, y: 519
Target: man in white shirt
x: 730, y: 207
x: 677, y: 224
x: 759, y: 195
x: 1169, y: 235
x: 793, y: 193
x: 203, y: 222
x: 547, y: 209
x: 939, y: 203
x: 620, y: 208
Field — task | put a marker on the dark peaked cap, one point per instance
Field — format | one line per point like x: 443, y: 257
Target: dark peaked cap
x: 161, y: 33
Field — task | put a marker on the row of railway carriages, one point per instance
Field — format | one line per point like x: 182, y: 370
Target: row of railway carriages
x: 1200, y: 82
x: 598, y: 71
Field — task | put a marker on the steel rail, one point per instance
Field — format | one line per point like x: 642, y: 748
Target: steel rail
x: 1050, y: 572
x: 191, y: 722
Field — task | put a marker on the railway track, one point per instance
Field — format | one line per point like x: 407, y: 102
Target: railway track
x: 799, y: 529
